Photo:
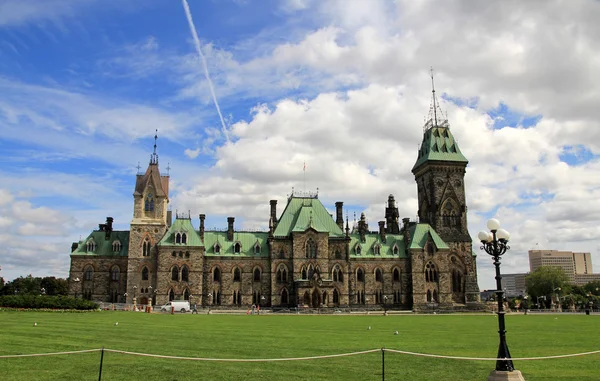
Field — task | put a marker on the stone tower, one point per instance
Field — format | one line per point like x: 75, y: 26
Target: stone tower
x: 149, y: 224
x: 439, y: 173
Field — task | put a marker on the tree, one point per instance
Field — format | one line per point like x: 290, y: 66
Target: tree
x: 55, y: 286
x: 593, y: 287
x: 545, y: 280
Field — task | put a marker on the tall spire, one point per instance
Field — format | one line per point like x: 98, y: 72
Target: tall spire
x: 436, y: 116
x: 154, y: 156
x: 432, y: 96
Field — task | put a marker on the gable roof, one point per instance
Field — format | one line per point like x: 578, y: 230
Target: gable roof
x: 104, y: 247
x: 386, y: 249
x: 152, y: 176
x: 421, y: 233
x: 302, y: 213
x: 247, y: 240
x: 439, y: 145
x: 181, y: 225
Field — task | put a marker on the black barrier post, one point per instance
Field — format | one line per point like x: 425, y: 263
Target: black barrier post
x: 101, y: 360
x: 383, y: 364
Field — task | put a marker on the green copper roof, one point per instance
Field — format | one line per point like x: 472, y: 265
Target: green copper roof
x: 372, y: 240
x: 247, y: 241
x: 104, y: 247
x: 302, y: 213
x: 181, y: 225
x: 421, y: 233
x: 439, y: 145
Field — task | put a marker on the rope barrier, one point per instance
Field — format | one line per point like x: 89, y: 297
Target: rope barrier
x: 490, y: 359
x: 242, y: 360
x: 302, y: 358
x: 50, y: 354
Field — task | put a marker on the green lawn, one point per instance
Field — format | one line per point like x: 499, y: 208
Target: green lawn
x: 291, y: 336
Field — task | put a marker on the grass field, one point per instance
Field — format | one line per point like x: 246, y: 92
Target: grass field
x: 291, y: 336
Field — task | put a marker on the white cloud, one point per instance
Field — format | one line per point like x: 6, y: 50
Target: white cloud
x: 348, y: 97
x: 192, y: 153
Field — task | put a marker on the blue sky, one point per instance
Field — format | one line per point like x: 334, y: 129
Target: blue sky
x: 341, y: 85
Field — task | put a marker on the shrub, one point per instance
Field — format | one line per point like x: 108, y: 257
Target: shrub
x: 46, y: 302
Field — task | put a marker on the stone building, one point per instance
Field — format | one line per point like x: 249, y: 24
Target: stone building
x: 307, y: 257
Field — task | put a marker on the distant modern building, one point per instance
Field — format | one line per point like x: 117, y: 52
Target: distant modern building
x: 514, y: 284
x: 577, y: 266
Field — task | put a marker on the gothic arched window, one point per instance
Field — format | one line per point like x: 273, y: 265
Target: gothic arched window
x: 217, y: 275
x: 146, y: 247
x: 237, y: 274
x: 89, y: 273
x: 175, y: 273
x: 185, y: 273
x: 149, y: 203
x: 114, y: 273
x: 311, y: 248
x: 145, y: 273
x: 431, y: 274
x: 257, y: 275
x: 360, y: 275
x: 378, y: 275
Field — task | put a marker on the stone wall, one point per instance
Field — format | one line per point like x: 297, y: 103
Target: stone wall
x: 101, y: 287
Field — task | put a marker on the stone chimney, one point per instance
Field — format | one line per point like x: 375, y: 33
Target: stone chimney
x: 273, y: 211
x: 74, y: 246
x: 405, y: 231
x: 339, y: 218
x: 169, y: 217
x: 382, y: 230
x: 106, y: 227
x: 202, y: 218
x: 230, y: 228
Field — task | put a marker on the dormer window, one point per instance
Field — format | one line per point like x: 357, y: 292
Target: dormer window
x: 396, y: 250
x: 149, y: 203
x: 90, y: 246
x: 257, y: 248
x: 358, y: 250
x: 184, y: 238
x: 217, y: 248
x: 237, y: 248
x: 116, y: 246
x: 377, y: 250
x: 178, y: 237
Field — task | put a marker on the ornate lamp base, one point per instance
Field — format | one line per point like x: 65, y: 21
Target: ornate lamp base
x: 499, y: 375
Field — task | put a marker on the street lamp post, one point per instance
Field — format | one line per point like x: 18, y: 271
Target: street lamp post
x: 134, y: 301
x: 150, y: 296
x: 495, y: 243
x: 385, y: 298
x: 76, y: 280
x: 557, y: 293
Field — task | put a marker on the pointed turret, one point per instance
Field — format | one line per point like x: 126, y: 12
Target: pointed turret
x: 439, y: 172
x: 151, y: 194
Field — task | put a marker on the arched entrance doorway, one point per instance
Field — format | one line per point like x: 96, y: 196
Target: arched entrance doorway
x: 143, y: 300
x: 306, y: 299
x: 316, y: 299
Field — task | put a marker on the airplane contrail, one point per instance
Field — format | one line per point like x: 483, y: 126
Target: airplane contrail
x: 186, y: 7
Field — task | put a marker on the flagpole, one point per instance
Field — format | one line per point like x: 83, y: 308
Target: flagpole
x: 304, y: 170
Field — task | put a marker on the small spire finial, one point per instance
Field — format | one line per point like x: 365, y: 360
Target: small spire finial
x: 433, y: 94
x: 154, y: 157
x: 138, y: 168
x: 168, y: 168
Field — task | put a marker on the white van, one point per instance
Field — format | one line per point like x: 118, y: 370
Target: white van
x: 179, y: 305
